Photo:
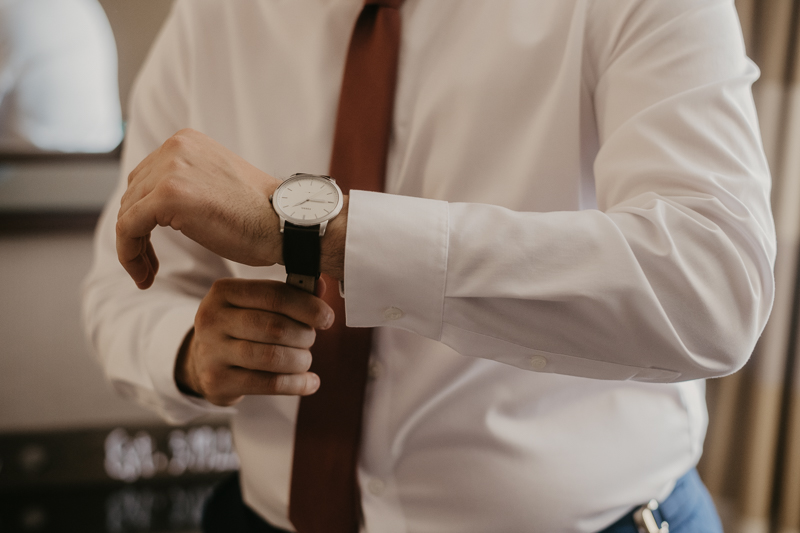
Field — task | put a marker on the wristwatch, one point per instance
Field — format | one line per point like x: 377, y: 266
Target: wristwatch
x: 305, y: 203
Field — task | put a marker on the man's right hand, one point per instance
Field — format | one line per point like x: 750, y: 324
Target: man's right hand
x: 252, y: 337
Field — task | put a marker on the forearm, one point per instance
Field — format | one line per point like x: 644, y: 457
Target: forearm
x: 581, y: 293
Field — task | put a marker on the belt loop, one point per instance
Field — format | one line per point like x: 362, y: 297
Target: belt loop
x: 646, y: 521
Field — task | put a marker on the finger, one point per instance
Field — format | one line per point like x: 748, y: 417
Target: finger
x: 227, y: 387
x: 150, y: 278
x: 151, y: 255
x: 266, y: 327
x: 133, y: 233
x: 277, y: 297
x: 135, y: 261
x: 253, y: 382
x: 268, y: 357
x: 136, y: 190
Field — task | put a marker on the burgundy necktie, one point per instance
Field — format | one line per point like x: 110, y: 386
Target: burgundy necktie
x: 325, y: 497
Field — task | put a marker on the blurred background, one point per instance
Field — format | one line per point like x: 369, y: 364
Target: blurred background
x: 751, y: 459
x: 74, y: 456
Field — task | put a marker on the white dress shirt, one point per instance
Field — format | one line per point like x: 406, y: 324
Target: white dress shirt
x: 577, y: 230
x: 58, y: 77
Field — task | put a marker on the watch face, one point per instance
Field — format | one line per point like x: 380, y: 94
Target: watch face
x: 307, y: 199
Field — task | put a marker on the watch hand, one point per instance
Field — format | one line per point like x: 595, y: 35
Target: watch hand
x: 311, y: 198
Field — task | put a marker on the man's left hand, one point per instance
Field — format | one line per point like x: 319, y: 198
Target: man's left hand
x: 200, y: 188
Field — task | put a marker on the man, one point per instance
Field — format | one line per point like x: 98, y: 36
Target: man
x: 575, y: 232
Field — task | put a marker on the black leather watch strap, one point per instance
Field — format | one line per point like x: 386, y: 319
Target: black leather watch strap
x: 301, y: 249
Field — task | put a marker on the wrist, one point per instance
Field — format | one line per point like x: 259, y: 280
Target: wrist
x: 305, y: 205
x: 332, y: 244
x: 181, y: 375
x: 271, y: 238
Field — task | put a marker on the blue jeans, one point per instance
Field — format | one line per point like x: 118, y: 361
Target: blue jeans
x: 689, y: 509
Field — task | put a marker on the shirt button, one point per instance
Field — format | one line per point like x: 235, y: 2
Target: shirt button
x: 393, y: 313
x: 376, y: 486
x: 537, y: 362
x: 375, y: 370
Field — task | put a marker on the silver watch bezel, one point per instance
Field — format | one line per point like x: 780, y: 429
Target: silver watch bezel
x: 323, y: 222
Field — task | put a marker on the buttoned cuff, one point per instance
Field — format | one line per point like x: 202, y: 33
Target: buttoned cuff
x: 395, y: 265
x: 167, y: 337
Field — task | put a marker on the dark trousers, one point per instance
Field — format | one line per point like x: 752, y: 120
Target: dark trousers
x: 226, y: 512
x: 688, y: 509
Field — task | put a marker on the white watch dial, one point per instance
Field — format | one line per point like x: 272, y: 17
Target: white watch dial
x: 307, y: 200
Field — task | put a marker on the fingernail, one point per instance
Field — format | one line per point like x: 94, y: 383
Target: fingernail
x: 314, y: 383
x: 329, y: 318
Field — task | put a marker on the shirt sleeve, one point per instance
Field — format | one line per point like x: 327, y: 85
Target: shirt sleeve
x: 669, y: 279
x: 137, y: 334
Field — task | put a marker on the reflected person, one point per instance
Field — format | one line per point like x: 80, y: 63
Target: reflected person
x: 58, y: 77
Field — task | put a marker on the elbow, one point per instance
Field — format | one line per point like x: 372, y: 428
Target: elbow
x: 720, y: 340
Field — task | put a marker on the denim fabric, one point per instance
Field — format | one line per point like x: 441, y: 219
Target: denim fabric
x: 689, y: 509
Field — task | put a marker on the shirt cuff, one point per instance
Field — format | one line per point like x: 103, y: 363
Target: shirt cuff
x: 175, y: 406
x: 395, y: 265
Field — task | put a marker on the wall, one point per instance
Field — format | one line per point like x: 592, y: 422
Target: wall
x: 48, y: 376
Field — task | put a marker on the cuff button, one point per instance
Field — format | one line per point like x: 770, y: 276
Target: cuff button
x: 376, y: 486
x: 537, y: 362
x: 393, y: 313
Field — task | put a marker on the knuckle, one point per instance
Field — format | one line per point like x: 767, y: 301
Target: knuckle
x: 248, y: 352
x: 185, y: 133
x: 210, y: 383
x: 276, y: 328
x: 205, y: 317
x: 253, y: 321
x: 308, y: 337
x: 219, y: 287
x: 277, y: 299
x: 279, y: 383
x: 176, y: 142
x: 222, y: 290
x: 170, y: 187
x: 121, y: 227
x: 277, y: 355
x: 257, y: 356
x: 304, y: 360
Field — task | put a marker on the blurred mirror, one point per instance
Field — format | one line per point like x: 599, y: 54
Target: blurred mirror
x: 66, y: 68
x: 58, y: 78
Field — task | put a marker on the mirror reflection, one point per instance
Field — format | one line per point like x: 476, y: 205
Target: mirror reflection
x: 66, y: 69
x: 58, y: 78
